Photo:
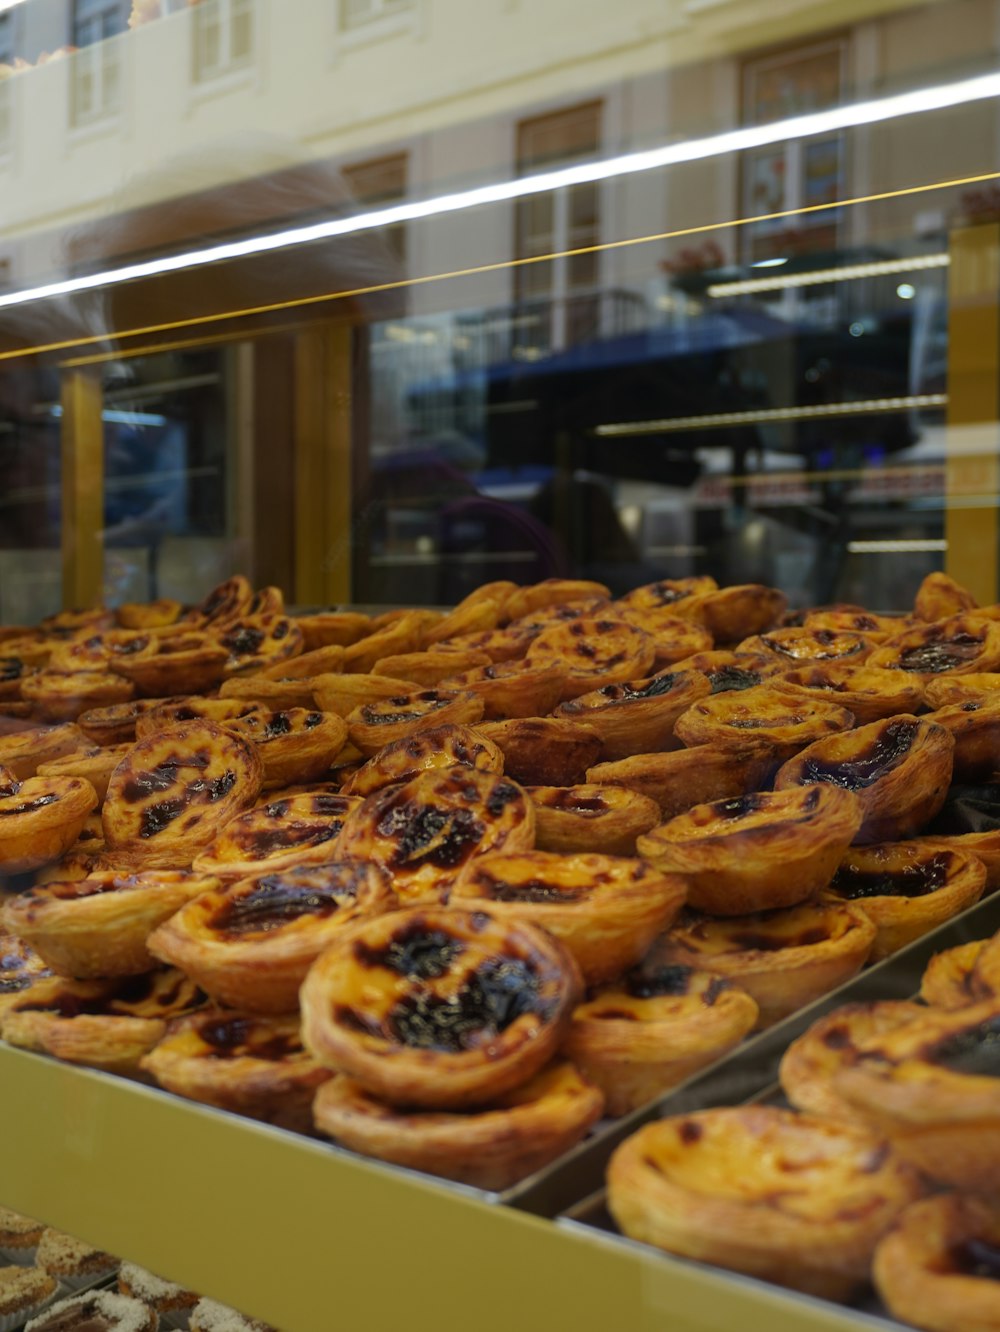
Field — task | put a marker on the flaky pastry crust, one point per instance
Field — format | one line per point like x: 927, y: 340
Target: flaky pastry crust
x: 950, y: 979
x: 521, y: 1130
x: 638, y: 717
x: 682, y: 778
x: 441, y: 746
x: 589, y: 817
x: 294, y: 744
x: 544, y: 751
x: 764, y: 717
x: 869, y: 693
x: 40, y: 819
x: 372, y: 726
x: 276, y: 834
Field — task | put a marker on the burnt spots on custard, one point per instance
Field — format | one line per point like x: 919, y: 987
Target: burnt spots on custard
x: 425, y: 834
x: 280, y: 630
x: 533, y: 890
x: 241, y: 1037
x: 262, y: 842
x: 974, y: 1051
x: 499, y: 797
x: 414, y: 951
x: 218, y: 787
x: 491, y: 999
x: 8, y: 789
x: 373, y: 713
x: 66, y: 1004
x: 243, y: 641
x: 740, y: 807
x: 973, y: 706
x: 22, y: 980
x: 728, y: 679
x: 837, y: 1038
x: 934, y: 657
x: 975, y: 1257
x: 927, y: 876
x: 885, y: 753
x: 655, y: 688
x: 279, y: 723
x: 811, y: 800
x: 273, y: 902
x: 312, y: 720
x: 760, y: 941
x: 11, y: 668
x: 277, y: 809
x: 27, y: 806
x: 362, y: 1023
x: 588, y: 807
x: 660, y: 983
x: 717, y: 986
x: 759, y: 723
x: 689, y: 1132
x: 154, y: 818
x: 615, y: 1015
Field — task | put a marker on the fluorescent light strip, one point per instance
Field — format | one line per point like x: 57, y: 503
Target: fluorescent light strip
x: 117, y: 417
x: 733, y: 141
x: 893, y: 547
x: 845, y: 273
x: 863, y: 407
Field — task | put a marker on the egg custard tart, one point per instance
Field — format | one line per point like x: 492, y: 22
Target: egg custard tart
x: 513, y: 688
x: 899, y: 769
x: 594, y: 652
x: 20, y: 968
x: 403, y: 634
x: 765, y: 718
x: 940, y: 596
x: 728, y: 670
x: 226, y: 601
x: 439, y: 1008
x: 987, y: 968
x: 674, y: 638
x: 13, y: 672
x: 295, y: 745
x: 544, y: 751
x: 332, y: 628
x: 961, y: 645
x: 21, y: 753
x: 671, y: 594
x: 869, y: 693
x: 832, y: 1043
x: 783, y: 959
x: 950, y: 979
x: 939, y: 1266
x: 374, y: 725
x: 654, y: 1028
x: 493, y: 1147
x: 441, y: 746
x: 256, y: 641
x: 731, y: 614
x: 975, y: 725
x: 907, y: 889
x: 855, y: 620
x: 757, y: 852
x: 40, y: 819
x: 469, y: 617
x: 932, y: 1086
x: 159, y: 715
x: 175, y: 789
x: 429, y: 667
x: 107, y: 1024
x: 789, y: 1198
x: 93, y: 763
x: 551, y: 592
x: 240, y: 1061
x: 425, y: 831
x: 588, y: 817
x: 801, y: 646
x: 945, y: 690
x: 607, y: 910
x: 184, y: 663
x: 148, y: 614
x: 273, y: 695
x: 682, y: 778
x: 284, y: 831
x: 58, y: 696
x: 343, y: 693
x: 97, y: 926
x: 250, y: 944
x: 637, y: 717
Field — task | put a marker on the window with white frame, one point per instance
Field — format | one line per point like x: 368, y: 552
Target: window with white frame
x: 558, y: 299
x: 95, y: 70
x: 355, y: 14
x: 224, y: 36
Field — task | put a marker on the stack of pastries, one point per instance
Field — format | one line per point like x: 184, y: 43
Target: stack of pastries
x: 449, y: 887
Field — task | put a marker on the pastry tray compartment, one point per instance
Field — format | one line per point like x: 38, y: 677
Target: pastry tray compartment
x: 750, y: 1074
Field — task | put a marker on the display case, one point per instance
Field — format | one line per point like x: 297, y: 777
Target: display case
x: 389, y: 299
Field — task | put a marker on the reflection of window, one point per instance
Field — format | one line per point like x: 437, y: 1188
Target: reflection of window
x: 798, y: 174
x: 359, y: 13
x: 223, y: 37
x: 381, y: 181
x: 95, y: 71
x: 6, y: 38
x: 561, y: 294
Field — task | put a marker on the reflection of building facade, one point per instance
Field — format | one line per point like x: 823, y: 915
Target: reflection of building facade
x: 524, y: 354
